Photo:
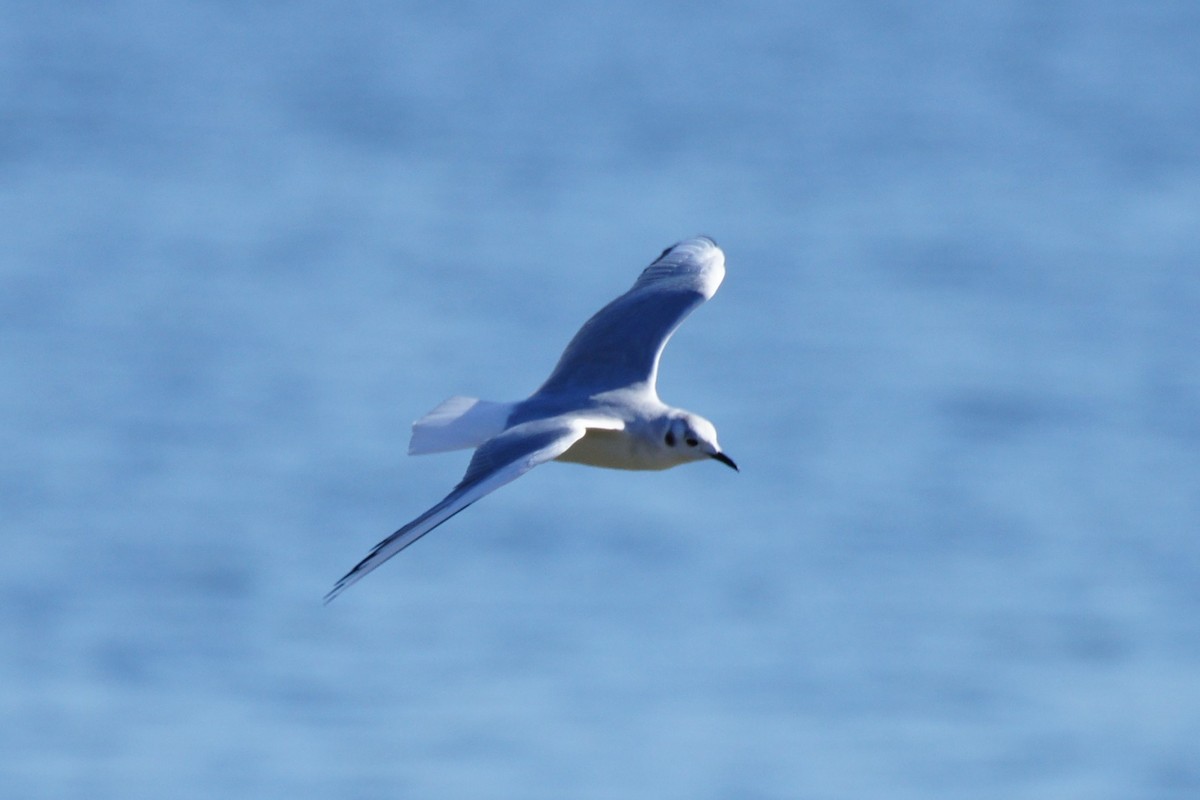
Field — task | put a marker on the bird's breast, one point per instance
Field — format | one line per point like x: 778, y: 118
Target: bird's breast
x: 615, y: 450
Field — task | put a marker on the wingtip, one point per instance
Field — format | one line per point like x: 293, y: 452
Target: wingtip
x: 342, y: 585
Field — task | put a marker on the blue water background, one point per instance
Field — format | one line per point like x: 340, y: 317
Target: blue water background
x: 957, y: 356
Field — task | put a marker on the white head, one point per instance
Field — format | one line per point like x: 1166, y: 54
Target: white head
x: 690, y: 437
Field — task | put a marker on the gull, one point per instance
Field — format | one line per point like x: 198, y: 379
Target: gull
x: 599, y: 406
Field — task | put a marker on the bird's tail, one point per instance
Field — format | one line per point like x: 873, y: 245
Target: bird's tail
x: 457, y: 424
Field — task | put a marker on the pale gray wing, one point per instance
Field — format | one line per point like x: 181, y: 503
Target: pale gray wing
x: 621, y: 345
x: 497, y: 461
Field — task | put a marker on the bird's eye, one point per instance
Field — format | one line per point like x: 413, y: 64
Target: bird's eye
x: 669, y: 439
x: 691, y: 441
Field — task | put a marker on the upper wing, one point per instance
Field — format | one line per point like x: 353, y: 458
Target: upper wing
x: 498, y: 461
x: 621, y: 345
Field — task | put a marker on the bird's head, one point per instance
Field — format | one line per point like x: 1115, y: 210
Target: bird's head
x: 693, y: 438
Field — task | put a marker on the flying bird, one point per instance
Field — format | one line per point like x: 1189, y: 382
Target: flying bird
x: 599, y: 406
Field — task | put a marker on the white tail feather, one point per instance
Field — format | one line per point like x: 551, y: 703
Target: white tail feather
x: 457, y: 424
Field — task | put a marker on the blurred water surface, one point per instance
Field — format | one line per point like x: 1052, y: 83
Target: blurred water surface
x: 956, y: 355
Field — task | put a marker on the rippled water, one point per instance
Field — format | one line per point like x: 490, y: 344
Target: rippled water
x: 956, y: 355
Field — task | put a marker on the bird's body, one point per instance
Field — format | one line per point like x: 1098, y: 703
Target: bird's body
x: 599, y: 406
x: 635, y: 445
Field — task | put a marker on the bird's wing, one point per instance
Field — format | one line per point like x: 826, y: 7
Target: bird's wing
x: 497, y: 461
x: 620, y: 346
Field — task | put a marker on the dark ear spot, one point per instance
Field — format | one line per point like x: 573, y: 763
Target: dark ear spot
x: 669, y: 439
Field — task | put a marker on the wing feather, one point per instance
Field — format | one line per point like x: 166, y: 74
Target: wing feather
x: 498, y: 461
x: 621, y: 344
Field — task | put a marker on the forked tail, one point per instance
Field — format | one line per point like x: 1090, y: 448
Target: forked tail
x: 457, y: 424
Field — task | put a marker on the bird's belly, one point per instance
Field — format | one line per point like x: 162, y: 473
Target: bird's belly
x: 612, y: 450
